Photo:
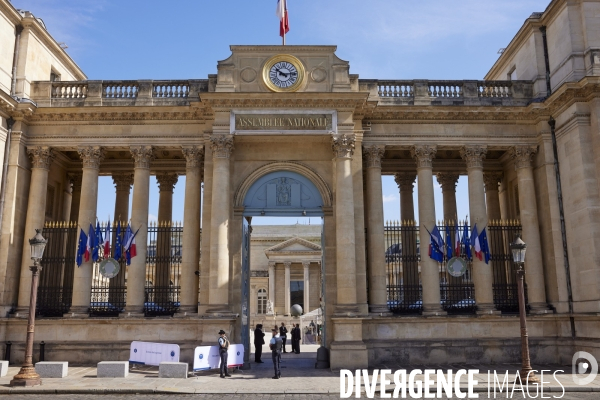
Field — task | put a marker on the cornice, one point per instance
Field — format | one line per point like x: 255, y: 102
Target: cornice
x: 329, y: 100
x: 7, y: 9
x: 295, y: 240
x: 106, y: 116
x: 569, y: 93
x: 287, y: 48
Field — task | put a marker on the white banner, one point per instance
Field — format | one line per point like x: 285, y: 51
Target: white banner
x: 207, y: 357
x: 153, y: 353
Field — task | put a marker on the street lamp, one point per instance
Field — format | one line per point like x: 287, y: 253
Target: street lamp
x: 518, y: 248
x: 27, y: 375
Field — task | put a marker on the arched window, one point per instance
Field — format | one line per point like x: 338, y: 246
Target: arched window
x: 262, y: 301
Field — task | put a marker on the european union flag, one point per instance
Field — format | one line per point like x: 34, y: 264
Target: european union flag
x: 436, y: 244
x: 448, y: 243
x: 118, y: 245
x: 466, y: 241
x: 485, y: 248
x: 96, y: 242
x: 81, y: 247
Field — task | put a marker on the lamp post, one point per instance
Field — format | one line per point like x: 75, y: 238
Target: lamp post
x: 518, y: 248
x: 27, y: 375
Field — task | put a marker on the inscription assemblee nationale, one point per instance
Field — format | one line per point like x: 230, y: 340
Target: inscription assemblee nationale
x: 272, y: 122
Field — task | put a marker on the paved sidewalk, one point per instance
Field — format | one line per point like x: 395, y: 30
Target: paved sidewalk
x: 298, y: 377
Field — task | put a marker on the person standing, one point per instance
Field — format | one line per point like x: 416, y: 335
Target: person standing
x: 259, y: 340
x: 297, y: 336
x: 283, y: 334
x: 275, y: 345
x: 223, y: 347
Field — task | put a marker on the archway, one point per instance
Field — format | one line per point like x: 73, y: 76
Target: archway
x: 285, y: 189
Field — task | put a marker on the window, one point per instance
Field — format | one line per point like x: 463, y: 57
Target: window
x: 297, y: 293
x: 54, y: 76
x: 262, y: 301
x: 512, y: 75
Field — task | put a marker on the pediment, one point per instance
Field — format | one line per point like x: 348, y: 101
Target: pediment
x: 293, y: 245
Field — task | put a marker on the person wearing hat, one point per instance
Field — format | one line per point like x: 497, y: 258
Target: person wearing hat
x: 223, y: 347
x: 259, y: 340
x: 275, y: 345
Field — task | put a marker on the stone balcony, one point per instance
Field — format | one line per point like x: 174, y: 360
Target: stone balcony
x: 181, y: 92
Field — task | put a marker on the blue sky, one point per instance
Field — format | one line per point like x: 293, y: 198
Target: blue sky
x: 184, y: 39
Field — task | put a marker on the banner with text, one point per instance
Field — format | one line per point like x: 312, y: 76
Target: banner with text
x: 153, y: 353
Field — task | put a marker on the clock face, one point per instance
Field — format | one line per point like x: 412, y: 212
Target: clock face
x: 283, y: 73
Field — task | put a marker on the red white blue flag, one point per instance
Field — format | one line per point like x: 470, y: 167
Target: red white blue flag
x: 282, y: 14
x: 107, y: 240
x: 476, y: 244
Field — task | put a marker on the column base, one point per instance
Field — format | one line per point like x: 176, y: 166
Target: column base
x: 379, y: 309
x: 21, y: 312
x: 186, y: 311
x: 539, y: 308
x: 433, y: 310
x: 346, y: 310
x: 26, y: 377
x: 219, y: 311
x: 132, y: 312
x: 77, y: 312
x: 487, y: 309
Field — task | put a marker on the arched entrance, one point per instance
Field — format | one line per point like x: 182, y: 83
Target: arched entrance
x: 278, y: 190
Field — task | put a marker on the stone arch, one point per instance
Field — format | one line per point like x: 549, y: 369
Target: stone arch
x: 287, y: 166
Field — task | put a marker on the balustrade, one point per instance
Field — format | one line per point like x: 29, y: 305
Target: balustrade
x: 120, y: 90
x: 494, y: 88
x: 69, y: 90
x: 395, y: 88
x: 445, y: 89
x: 170, y: 89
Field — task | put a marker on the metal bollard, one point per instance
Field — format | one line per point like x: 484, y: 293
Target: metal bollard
x: 42, y: 350
x: 7, y: 351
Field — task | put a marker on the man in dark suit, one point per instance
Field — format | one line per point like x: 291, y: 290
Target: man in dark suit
x: 283, y: 334
x: 296, y: 336
x: 259, y: 340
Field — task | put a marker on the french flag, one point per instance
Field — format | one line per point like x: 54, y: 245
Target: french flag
x: 107, y: 240
x: 129, y: 246
x: 457, y: 241
x: 476, y: 244
x: 89, y: 246
x: 282, y: 14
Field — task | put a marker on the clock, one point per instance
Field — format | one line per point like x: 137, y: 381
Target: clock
x: 283, y: 73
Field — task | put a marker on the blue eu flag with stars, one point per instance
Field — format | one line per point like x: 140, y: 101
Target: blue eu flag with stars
x: 119, y: 245
x: 81, y: 247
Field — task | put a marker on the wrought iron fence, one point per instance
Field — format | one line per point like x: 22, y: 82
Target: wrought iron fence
x: 163, y: 264
x: 500, y: 235
x: 55, y: 288
x: 405, y: 294
x: 108, y: 295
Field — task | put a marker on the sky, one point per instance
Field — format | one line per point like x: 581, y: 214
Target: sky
x: 383, y: 39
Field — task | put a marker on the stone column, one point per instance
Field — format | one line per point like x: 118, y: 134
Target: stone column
x: 222, y: 147
x: 491, y: 181
x: 534, y: 271
x: 481, y: 272
x: 67, y: 200
x: 91, y: 156
x: 306, y: 265
x: 343, y: 148
x: 375, y: 236
x: 448, y: 183
x: 272, y: 284
x: 166, y: 183
x: 123, y: 182
x: 41, y: 158
x: 190, y: 257
x: 406, y: 182
x: 75, y: 195
x: 136, y: 272
x: 287, y: 303
x: 430, y: 269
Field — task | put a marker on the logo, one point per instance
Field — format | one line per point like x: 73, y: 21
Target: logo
x: 238, y: 353
x: 584, y: 363
x: 135, y: 350
x: 201, y: 356
x: 172, y: 354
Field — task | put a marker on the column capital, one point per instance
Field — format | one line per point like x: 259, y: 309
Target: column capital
x: 287, y: 264
x: 272, y: 264
x: 448, y: 181
x: 194, y: 155
x: 75, y: 178
x: 41, y: 156
x: 491, y: 180
x: 405, y: 180
x: 166, y: 181
x: 424, y: 155
x: 373, y: 155
x: 91, y: 156
x: 142, y: 156
x: 522, y: 155
x: 123, y: 181
x: 473, y: 155
x: 343, y: 145
x: 306, y: 264
x: 222, y: 145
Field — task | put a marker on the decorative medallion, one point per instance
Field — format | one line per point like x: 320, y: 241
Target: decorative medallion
x: 248, y: 75
x: 457, y: 266
x: 318, y: 74
x: 109, y: 268
x: 283, y: 73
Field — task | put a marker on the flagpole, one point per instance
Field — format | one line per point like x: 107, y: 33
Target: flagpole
x: 284, y: 15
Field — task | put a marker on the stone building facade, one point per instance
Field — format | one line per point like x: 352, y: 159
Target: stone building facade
x: 289, y: 131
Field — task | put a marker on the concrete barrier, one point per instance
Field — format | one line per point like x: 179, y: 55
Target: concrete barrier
x: 112, y: 369
x: 167, y: 369
x: 3, y: 368
x: 52, y: 369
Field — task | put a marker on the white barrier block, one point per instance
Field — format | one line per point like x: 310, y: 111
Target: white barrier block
x: 3, y: 368
x: 52, y: 369
x: 173, y: 370
x: 113, y: 369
